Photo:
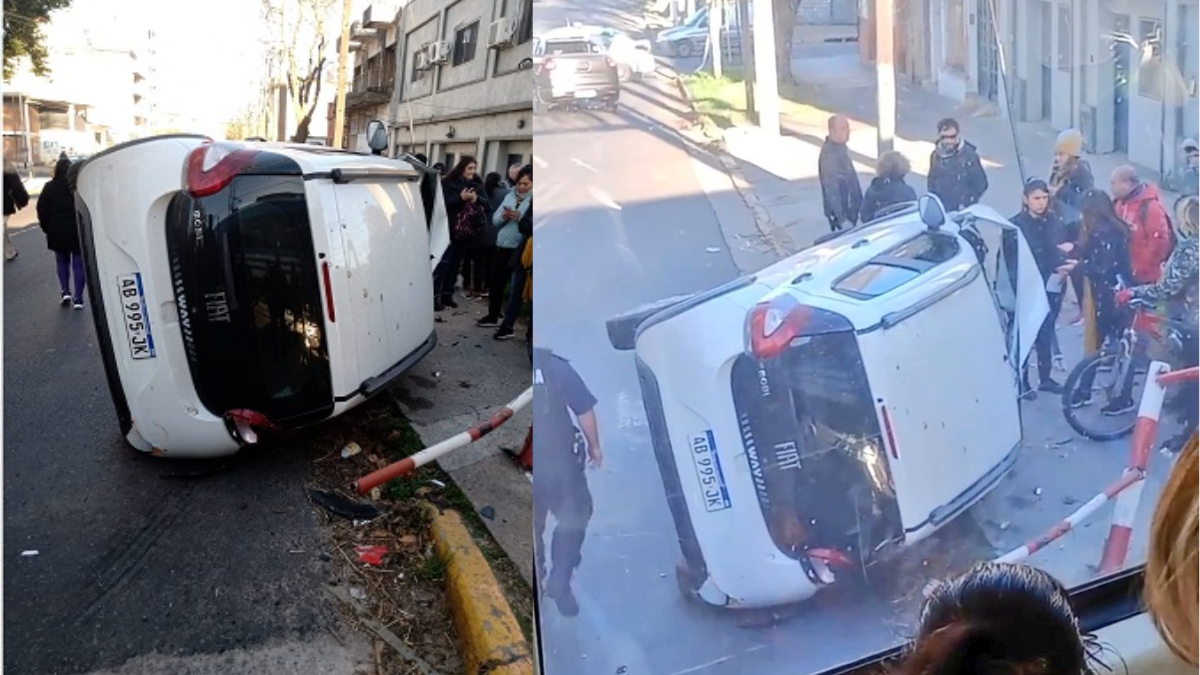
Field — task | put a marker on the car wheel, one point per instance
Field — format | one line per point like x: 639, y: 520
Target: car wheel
x: 686, y: 584
x: 623, y: 328
x: 683, y: 49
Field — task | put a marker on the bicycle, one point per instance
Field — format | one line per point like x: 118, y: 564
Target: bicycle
x: 1122, y: 359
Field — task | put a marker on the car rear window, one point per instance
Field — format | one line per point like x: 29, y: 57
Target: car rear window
x: 568, y: 47
x: 246, y: 282
x: 900, y: 265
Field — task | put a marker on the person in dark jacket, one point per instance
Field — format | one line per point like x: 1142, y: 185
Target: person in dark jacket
x: 463, y: 191
x: 839, y: 181
x: 1044, y: 232
x: 888, y: 187
x: 15, y: 199
x: 516, y: 300
x: 1103, y: 252
x: 1070, y: 178
x: 479, y: 251
x: 56, y: 216
x: 956, y: 173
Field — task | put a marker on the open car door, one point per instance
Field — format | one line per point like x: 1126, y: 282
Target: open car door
x: 434, y: 205
x: 1013, y: 276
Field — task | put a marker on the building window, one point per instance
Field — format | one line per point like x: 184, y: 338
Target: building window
x: 465, y: 39
x: 450, y: 160
x: 417, y: 73
x: 1066, y: 39
x: 525, y: 22
x: 956, y: 35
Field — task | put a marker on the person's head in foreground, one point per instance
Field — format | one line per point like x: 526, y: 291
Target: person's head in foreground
x: 1172, y: 573
x: 998, y: 619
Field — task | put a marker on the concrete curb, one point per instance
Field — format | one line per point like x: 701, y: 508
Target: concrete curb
x: 779, y: 241
x: 491, y: 638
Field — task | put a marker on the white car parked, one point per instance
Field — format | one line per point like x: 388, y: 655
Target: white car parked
x: 819, y: 416
x: 239, y: 287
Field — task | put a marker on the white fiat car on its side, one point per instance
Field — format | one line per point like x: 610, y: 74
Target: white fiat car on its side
x: 818, y: 417
x: 242, y: 287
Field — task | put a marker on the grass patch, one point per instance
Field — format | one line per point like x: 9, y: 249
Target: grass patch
x: 434, y: 567
x: 723, y: 99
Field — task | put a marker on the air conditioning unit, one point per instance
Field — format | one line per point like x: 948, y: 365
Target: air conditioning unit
x: 439, y: 52
x: 422, y: 59
x: 501, y: 33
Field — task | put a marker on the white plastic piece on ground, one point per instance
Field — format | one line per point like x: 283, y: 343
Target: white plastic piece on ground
x: 29, y: 554
x: 823, y: 572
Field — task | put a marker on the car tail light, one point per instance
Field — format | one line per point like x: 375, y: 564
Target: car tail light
x: 325, y: 276
x: 241, y: 423
x: 212, y: 166
x: 773, y: 325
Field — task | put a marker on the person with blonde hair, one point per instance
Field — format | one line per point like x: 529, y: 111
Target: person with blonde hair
x: 888, y: 187
x: 1172, y: 586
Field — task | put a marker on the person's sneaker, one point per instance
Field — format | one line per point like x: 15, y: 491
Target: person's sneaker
x: 1115, y: 408
x: 559, y: 590
x: 488, y: 322
x: 449, y: 302
x: 503, y: 333
x: 1050, y: 386
x: 66, y: 299
x: 1081, y: 400
x: 78, y: 303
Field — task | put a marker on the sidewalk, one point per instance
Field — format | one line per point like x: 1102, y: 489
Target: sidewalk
x: 463, y: 382
x: 783, y: 171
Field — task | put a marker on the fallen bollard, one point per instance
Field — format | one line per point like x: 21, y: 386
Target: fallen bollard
x: 417, y: 460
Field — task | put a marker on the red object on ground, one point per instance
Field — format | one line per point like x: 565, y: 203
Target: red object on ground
x: 526, y: 456
x: 372, y: 555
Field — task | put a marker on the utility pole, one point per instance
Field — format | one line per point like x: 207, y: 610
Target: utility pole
x: 766, y: 78
x: 716, y: 14
x: 339, y: 115
x: 281, y: 86
x: 885, y: 74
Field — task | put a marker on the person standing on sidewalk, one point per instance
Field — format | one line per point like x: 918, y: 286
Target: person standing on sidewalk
x: 1044, y: 231
x: 521, y: 265
x: 15, y: 199
x: 56, y: 216
x: 956, y: 173
x: 510, y: 179
x: 479, y: 251
x: 1070, y: 178
x: 465, y: 201
x: 560, y: 485
x: 839, y: 181
x: 888, y: 187
x: 1139, y: 204
x: 1191, y: 171
x: 506, y: 221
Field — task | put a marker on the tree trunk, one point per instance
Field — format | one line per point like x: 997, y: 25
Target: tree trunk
x: 785, y: 24
x: 302, y: 127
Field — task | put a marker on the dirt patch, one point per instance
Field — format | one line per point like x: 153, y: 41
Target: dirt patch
x: 406, y: 593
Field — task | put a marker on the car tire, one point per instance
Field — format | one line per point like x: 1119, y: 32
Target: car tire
x: 623, y: 328
x: 686, y: 584
x: 683, y: 49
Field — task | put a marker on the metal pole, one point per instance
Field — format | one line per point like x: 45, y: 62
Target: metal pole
x: 766, y: 79
x: 1003, y: 65
x: 885, y: 74
x: 339, y: 116
x: 716, y: 15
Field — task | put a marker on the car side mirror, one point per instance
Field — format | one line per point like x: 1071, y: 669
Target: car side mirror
x: 377, y: 136
x: 932, y: 212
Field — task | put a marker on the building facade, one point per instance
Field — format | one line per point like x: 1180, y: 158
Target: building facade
x: 462, y: 84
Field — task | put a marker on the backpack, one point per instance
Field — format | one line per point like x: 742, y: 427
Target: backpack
x: 468, y: 223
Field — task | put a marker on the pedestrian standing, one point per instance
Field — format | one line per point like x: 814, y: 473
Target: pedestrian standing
x: 888, y: 187
x: 1139, y: 204
x: 15, y: 199
x: 839, y: 181
x: 510, y: 178
x: 466, y: 212
x: 560, y: 486
x: 1070, y: 177
x: 56, y: 216
x: 521, y: 264
x: 956, y: 173
x: 1191, y: 170
x: 479, y: 251
x: 1043, y: 230
x: 1103, y: 252
x: 506, y: 220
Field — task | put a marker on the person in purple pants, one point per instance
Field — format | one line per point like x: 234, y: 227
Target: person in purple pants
x: 56, y: 216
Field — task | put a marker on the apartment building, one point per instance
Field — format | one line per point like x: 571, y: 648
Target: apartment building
x: 463, y: 86
x: 372, y: 69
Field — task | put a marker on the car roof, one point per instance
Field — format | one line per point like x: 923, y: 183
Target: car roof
x: 321, y: 159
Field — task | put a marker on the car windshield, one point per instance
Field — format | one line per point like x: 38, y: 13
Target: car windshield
x: 570, y: 47
x: 246, y: 284
x: 847, y: 323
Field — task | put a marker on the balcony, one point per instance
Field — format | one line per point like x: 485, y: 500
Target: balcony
x: 368, y: 97
x: 381, y: 14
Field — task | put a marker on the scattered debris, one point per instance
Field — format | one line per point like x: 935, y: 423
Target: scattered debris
x: 351, y: 450
x: 372, y: 555
x: 29, y: 554
x: 376, y: 494
x: 1037, y: 492
x: 488, y: 512
x: 1069, y: 500
x: 1005, y: 525
x: 358, y: 593
x: 344, y: 507
x: 713, y: 249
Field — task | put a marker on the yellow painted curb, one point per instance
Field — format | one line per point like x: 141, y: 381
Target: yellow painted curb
x: 490, y: 635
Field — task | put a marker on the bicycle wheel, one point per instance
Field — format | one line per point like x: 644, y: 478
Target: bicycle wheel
x: 1103, y: 390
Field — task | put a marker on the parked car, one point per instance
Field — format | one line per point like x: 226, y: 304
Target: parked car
x: 790, y: 440
x: 244, y: 287
x: 688, y: 38
x: 571, y: 70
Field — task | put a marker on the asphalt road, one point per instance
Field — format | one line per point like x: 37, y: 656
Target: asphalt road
x: 624, y: 218
x: 132, y: 560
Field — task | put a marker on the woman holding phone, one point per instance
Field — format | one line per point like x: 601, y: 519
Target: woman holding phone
x: 508, y: 238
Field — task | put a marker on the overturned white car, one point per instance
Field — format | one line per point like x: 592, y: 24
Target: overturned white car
x: 819, y: 416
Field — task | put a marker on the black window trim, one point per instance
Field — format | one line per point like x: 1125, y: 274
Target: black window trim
x: 458, y: 48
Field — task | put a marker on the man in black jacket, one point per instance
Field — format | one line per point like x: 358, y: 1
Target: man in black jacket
x: 839, y: 181
x: 956, y: 173
x: 1044, y: 231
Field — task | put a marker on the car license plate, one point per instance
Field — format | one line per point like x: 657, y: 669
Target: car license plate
x: 708, y: 471
x: 585, y: 93
x: 133, y: 309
